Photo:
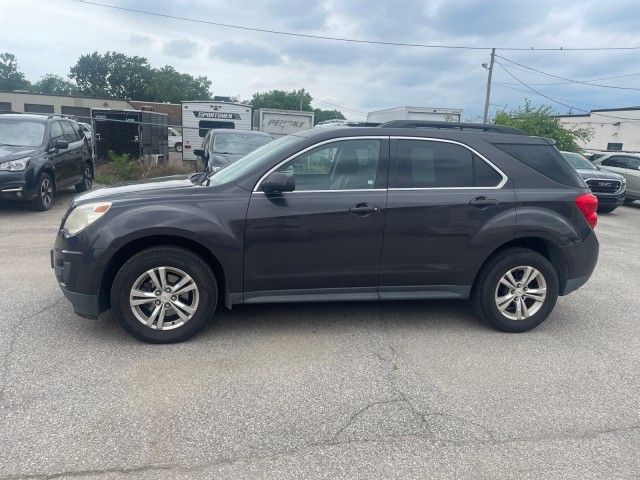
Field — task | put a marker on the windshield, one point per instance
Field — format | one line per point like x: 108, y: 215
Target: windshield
x: 238, y: 144
x: 21, y: 133
x: 578, y: 162
x: 253, y: 160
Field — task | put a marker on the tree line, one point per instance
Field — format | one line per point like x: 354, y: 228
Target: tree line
x: 115, y: 74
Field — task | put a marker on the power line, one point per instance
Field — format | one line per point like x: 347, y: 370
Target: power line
x: 630, y: 120
x: 570, y: 80
x: 323, y: 102
x: 343, y: 39
x: 506, y: 85
x: 590, y: 80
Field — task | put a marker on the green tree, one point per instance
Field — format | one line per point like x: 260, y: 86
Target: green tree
x: 10, y: 77
x: 169, y: 85
x: 54, y: 85
x: 541, y: 122
x: 113, y: 74
x: 322, y: 115
x: 293, y: 100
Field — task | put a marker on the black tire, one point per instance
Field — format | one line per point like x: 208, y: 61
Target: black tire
x: 486, y: 289
x: 87, y: 179
x: 45, y: 193
x: 172, y: 257
x: 178, y: 147
x: 606, y: 209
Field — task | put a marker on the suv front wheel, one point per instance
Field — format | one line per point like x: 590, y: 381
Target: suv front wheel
x: 516, y: 290
x: 164, y: 295
x: 45, y: 193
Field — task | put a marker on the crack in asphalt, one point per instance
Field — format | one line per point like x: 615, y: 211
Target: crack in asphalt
x: 14, y: 335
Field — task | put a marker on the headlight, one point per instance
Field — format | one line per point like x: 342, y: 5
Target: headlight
x: 84, y: 215
x: 15, y: 165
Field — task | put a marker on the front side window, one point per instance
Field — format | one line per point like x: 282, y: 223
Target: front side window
x: 55, y: 133
x: 633, y: 163
x: 21, y: 133
x: 340, y: 165
x: 238, y: 144
x: 430, y: 164
x: 69, y: 134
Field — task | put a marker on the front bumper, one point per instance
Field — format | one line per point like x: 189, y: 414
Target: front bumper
x: 610, y: 200
x: 15, y: 185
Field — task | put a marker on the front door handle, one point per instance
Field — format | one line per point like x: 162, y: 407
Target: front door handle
x: 483, y: 202
x: 363, y: 209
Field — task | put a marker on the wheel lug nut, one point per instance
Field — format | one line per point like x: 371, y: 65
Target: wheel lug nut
x: 158, y: 302
x: 173, y: 298
x: 167, y: 289
x: 167, y: 305
x: 158, y: 292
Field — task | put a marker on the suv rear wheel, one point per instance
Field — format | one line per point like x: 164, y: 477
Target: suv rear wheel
x: 87, y: 179
x: 45, y: 193
x: 516, y: 290
x: 164, y: 295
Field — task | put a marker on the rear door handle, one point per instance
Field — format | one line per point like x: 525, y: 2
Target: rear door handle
x: 363, y: 209
x: 483, y: 202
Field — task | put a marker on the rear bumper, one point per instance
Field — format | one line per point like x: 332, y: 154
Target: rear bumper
x: 581, y: 260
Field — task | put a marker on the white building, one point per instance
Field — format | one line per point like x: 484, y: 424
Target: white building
x: 415, y: 113
x: 78, y: 106
x: 613, y: 129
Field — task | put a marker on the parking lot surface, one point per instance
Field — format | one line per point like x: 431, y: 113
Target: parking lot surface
x: 344, y: 390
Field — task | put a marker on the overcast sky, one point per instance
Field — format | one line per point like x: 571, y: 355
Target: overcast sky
x: 48, y: 37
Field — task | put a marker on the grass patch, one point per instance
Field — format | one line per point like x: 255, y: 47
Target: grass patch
x: 123, y: 169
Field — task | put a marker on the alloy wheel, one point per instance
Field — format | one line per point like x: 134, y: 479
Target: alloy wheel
x: 164, y: 298
x: 521, y: 292
x: 46, y: 192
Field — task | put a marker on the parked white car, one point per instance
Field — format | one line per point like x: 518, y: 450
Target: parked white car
x: 175, y: 139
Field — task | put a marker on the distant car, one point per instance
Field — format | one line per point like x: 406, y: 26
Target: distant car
x: 86, y: 129
x: 39, y: 156
x: 222, y: 147
x: 627, y: 165
x: 609, y: 187
x: 175, y: 139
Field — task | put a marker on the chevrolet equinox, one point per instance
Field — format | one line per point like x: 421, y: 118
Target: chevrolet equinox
x: 406, y: 210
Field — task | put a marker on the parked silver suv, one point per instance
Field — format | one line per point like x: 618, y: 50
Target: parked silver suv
x: 627, y: 165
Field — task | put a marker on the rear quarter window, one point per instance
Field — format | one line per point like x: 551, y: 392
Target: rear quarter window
x: 546, y: 160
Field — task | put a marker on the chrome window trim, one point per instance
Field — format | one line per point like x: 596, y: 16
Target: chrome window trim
x: 301, y: 152
x: 444, y: 140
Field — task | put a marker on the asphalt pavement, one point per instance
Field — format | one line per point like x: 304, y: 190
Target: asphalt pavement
x: 344, y: 390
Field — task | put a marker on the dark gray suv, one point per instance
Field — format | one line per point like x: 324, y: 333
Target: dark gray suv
x: 39, y: 156
x: 402, y: 211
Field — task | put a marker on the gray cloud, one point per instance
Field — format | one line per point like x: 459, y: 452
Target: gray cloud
x: 245, y: 53
x: 181, y: 48
x: 140, y: 40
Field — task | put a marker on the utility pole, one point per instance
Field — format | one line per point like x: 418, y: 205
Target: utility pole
x: 485, y: 118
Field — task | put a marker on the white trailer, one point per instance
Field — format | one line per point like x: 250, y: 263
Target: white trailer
x: 415, y: 113
x: 198, y: 117
x: 279, y: 123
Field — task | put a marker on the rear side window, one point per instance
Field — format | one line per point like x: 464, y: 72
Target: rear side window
x: 546, y: 160
x: 620, y: 162
x: 429, y: 164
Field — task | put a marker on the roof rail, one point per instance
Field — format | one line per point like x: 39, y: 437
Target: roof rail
x: 490, y: 128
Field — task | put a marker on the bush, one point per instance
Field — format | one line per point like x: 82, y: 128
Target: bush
x: 122, y: 169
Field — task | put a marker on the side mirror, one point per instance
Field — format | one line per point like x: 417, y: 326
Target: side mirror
x: 61, y: 145
x: 199, y: 152
x: 279, y: 182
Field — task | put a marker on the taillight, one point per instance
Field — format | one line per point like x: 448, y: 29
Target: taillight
x: 587, y: 203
